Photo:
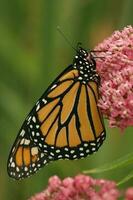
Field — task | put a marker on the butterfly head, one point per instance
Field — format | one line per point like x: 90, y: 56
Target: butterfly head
x: 85, y: 62
x: 83, y: 57
x: 82, y: 53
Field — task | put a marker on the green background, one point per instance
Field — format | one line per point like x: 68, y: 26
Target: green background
x: 32, y: 54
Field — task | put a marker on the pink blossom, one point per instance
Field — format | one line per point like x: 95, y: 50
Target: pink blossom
x: 116, y: 71
x: 54, y: 183
x: 80, y: 187
x: 129, y: 194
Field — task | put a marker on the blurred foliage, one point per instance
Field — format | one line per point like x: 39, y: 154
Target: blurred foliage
x: 32, y: 53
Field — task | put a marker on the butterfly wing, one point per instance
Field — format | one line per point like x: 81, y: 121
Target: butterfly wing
x: 65, y: 123
x: 25, y: 157
x: 28, y: 153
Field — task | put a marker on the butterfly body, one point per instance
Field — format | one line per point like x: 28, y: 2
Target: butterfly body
x: 62, y: 123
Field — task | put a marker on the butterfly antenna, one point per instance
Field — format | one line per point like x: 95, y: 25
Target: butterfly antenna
x: 64, y: 36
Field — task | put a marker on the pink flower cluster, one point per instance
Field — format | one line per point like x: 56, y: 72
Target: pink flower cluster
x: 115, y: 68
x: 80, y: 187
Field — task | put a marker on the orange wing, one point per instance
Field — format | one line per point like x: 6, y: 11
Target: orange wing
x: 25, y: 158
x: 72, y: 119
x: 65, y: 123
x: 27, y: 154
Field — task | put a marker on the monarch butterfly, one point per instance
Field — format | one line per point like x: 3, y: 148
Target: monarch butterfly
x: 65, y: 123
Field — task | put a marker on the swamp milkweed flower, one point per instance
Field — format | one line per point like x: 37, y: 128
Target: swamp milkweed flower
x: 81, y: 187
x: 116, y: 71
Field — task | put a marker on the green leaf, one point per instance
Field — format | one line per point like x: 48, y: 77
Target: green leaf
x: 126, y: 178
x: 121, y: 162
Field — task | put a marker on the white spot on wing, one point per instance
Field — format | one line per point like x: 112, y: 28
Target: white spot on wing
x: 37, y: 126
x: 87, y: 151
x: 98, y: 139
x: 26, y: 142
x: 53, y: 86
x: 93, y: 144
x: 22, y: 141
x: 93, y: 149
x: 74, y: 156
x: 42, y: 155
x: 102, y: 134
x: 17, y: 169
x: 72, y: 151
x: 13, y: 149
x: 34, y: 119
x: 22, y: 133
x: 33, y: 133
x: 38, y: 106
x: 44, y: 100
x: 34, y: 151
x: 26, y: 169
x: 29, y: 118
x: 58, y: 151
x: 60, y: 156
x: 66, y: 155
x: 51, y: 153
x: 45, y: 161
x: 86, y: 75
x: 12, y: 164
